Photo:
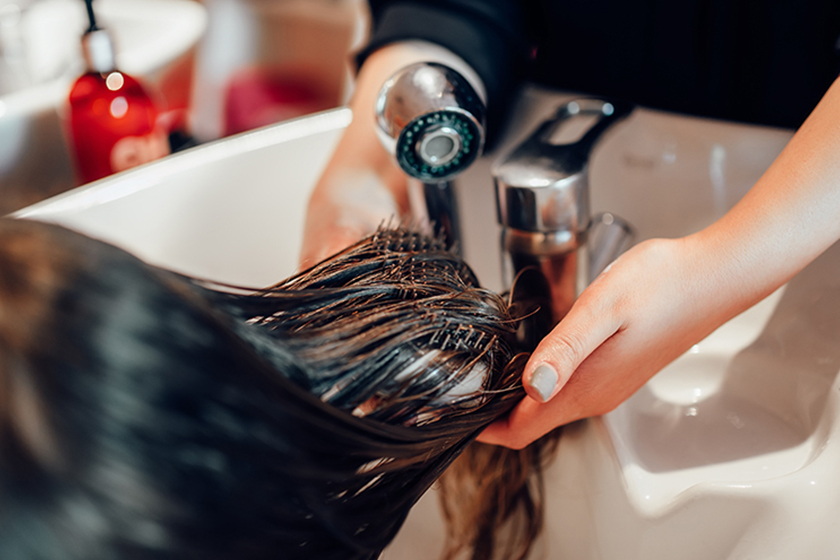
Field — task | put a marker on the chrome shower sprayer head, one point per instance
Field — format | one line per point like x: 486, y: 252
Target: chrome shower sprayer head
x: 432, y: 120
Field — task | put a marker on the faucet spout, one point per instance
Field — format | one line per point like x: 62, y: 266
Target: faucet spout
x: 542, y: 197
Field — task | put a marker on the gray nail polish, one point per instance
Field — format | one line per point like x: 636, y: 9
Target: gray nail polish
x: 544, y: 380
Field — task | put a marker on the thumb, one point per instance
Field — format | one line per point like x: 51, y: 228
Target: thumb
x: 560, y: 353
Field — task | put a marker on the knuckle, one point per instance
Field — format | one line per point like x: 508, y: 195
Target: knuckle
x: 566, y: 349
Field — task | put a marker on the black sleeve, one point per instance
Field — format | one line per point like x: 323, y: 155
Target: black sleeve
x: 489, y: 35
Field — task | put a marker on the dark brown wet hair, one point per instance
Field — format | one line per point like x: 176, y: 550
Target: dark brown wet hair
x: 148, y: 415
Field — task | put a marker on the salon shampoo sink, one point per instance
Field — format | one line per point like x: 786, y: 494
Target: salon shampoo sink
x: 731, y: 452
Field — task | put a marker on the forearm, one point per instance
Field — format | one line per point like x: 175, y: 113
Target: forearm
x: 359, y: 149
x: 789, y: 217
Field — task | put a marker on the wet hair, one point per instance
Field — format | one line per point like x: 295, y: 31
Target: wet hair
x: 144, y: 414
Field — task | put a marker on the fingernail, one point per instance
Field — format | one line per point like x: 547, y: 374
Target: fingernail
x: 543, y: 381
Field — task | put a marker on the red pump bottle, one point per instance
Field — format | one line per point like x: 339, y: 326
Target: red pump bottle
x: 113, y: 120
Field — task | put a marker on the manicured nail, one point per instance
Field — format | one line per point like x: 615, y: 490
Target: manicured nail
x: 543, y: 381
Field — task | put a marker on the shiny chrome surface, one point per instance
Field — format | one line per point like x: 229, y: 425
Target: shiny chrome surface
x: 542, y: 195
x: 432, y: 120
x: 609, y: 236
x: 434, y: 209
x: 543, y: 186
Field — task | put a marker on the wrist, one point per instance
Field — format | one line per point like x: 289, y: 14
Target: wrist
x: 732, y: 268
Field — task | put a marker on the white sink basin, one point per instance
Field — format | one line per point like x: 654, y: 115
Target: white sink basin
x: 152, y: 38
x: 730, y: 452
x: 231, y: 210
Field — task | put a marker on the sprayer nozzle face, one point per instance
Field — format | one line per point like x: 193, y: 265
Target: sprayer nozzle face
x: 439, y: 145
x: 438, y: 149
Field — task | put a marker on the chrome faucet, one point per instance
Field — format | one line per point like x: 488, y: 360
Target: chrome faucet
x: 542, y: 196
x: 431, y: 119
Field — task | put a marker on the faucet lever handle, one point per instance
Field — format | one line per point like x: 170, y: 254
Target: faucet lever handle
x: 542, y: 186
x: 571, y: 134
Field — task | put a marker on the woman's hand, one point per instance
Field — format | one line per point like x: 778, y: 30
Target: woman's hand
x: 361, y: 187
x: 349, y: 203
x: 644, y: 311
